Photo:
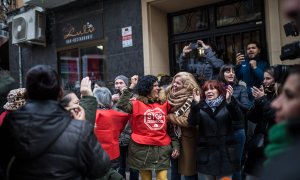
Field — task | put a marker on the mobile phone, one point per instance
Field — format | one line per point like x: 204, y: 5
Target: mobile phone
x: 194, y: 45
x: 241, y: 51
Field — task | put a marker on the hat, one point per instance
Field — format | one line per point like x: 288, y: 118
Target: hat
x: 123, y: 78
x: 15, y: 99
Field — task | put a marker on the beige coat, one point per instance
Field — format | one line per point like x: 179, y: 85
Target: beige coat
x: 187, y: 157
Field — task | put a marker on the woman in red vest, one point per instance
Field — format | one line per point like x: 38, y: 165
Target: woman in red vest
x: 109, y: 124
x: 151, y: 146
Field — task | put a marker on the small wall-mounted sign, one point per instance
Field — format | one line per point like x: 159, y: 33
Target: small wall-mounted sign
x: 126, y: 36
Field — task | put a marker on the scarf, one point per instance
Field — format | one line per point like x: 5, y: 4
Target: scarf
x: 279, y: 141
x: 180, y: 101
x: 214, y: 103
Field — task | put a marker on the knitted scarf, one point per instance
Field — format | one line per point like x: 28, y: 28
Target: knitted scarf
x: 180, y: 101
x: 214, y: 103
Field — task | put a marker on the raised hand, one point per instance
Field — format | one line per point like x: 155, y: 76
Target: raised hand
x: 196, y: 95
x: 85, y: 87
x: 258, y: 92
x: 229, y: 92
x: 203, y: 44
x: 134, y: 81
x: 239, y: 58
x: 187, y: 49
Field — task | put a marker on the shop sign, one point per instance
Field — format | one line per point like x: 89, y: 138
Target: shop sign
x: 85, y: 28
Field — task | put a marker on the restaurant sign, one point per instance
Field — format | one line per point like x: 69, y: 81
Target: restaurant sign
x: 83, y: 29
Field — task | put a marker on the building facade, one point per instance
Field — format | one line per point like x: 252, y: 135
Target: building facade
x: 105, y: 38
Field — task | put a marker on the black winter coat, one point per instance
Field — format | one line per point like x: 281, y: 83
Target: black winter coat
x: 216, y: 148
x: 264, y: 117
x: 48, y: 144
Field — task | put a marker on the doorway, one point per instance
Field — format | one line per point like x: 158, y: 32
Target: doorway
x: 227, y: 25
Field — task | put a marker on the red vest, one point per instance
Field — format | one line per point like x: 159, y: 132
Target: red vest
x: 149, y: 123
x: 108, y: 126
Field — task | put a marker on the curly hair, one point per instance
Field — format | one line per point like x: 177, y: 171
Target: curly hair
x: 145, y: 85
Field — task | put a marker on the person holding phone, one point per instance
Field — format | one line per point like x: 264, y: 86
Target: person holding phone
x: 207, y: 63
x: 250, y: 67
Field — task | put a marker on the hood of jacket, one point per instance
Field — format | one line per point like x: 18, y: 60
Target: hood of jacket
x: 36, y: 126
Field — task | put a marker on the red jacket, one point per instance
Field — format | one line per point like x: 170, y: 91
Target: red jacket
x: 108, y: 126
x: 149, y: 123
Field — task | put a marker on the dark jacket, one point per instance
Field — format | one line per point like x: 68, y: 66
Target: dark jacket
x: 208, y: 66
x: 241, y: 96
x: 216, y: 148
x: 48, y: 144
x: 252, y: 77
x: 263, y: 115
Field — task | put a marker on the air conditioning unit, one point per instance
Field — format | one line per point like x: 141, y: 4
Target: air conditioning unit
x: 29, y: 28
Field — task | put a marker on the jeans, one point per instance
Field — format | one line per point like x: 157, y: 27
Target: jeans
x: 133, y: 174
x: 240, y: 137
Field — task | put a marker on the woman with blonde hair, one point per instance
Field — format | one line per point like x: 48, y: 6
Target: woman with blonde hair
x: 180, y: 97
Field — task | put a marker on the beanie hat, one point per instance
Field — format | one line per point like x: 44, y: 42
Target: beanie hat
x: 123, y: 78
x: 15, y: 99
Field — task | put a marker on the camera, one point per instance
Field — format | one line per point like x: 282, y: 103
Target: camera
x: 292, y: 50
x: 195, y: 45
x: 281, y: 71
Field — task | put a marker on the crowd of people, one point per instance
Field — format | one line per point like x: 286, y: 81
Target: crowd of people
x: 215, y: 121
x: 195, y: 129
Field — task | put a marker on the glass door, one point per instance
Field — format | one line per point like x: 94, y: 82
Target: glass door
x: 74, y: 64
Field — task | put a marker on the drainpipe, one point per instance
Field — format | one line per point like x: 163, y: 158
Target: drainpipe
x: 20, y: 68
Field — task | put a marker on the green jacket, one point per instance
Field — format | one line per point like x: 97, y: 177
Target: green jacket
x: 89, y: 104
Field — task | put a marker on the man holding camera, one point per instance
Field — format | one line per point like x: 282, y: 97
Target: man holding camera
x: 208, y: 65
x: 250, y: 67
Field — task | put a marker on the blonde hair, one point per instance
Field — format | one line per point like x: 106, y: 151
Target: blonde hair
x: 189, y: 81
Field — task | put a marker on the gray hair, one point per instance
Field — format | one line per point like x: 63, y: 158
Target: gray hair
x: 103, y: 96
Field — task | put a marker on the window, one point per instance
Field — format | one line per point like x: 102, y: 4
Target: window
x: 227, y: 25
x: 238, y: 12
x: 190, y: 22
x: 74, y: 64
